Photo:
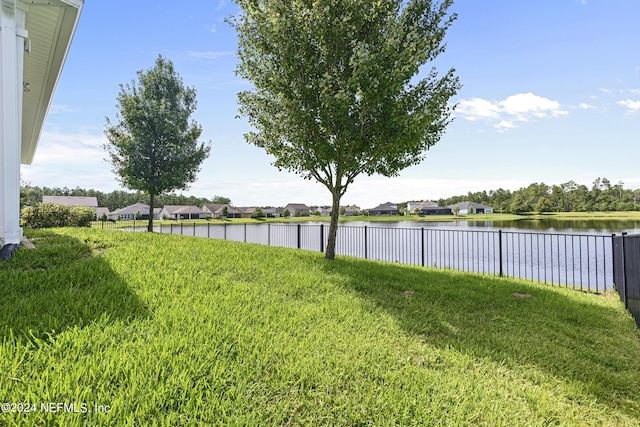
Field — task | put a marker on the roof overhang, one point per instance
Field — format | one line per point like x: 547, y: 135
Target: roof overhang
x: 50, y: 25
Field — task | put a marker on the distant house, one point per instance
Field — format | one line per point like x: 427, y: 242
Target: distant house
x: 273, y: 212
x: 412, y: 206
x: 100, y: 212
x: 87, y: 202
x: 385, y: 209
x: 427, y: 208
x: 351, y: 210
x: 324, y: 210
x: 216, y: 210
x: 246, y: 211
x: 298, y: 209
x: 131, y: 212
x: 436, y: 210
x: 233, y: 212
x: 465, y: 208
x: 183, y: 212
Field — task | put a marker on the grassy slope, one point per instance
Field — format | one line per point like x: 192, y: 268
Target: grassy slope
x: 173, y: 330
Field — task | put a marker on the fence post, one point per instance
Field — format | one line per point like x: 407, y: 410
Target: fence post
x: 613, y: 262
x: 500, y: 250
x: 208, y: 230
x: 365, y: 243
x: 422, y: 245
x: 245, y: 232
x: 194, y: 229
x: 624, y: 271
x: 268, y: 234
x: 225, y: 231
x: 182, y: 229
x: 299, y: 236
x: 321, y: 237
x: 171, y: 228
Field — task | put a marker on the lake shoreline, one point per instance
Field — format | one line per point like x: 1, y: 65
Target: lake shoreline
x: 595, y: 222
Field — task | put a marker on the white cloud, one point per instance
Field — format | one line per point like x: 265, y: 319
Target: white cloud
x: 584, y: 106
x: 525, y: 105
x: 505, y: 125
x: 478, y: 109
x: 522, y: 107
x: 56, y: 147
x: 70, y: 160
x: 631, y: 106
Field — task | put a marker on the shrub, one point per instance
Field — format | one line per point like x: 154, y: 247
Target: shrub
x: 47, y: 215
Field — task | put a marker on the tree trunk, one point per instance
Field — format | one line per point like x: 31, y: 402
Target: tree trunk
x: 330, y: 253
x: 151, y: 207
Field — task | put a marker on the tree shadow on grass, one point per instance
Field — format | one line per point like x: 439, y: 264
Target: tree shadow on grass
x: 62, y: 283
x: 577, y: 341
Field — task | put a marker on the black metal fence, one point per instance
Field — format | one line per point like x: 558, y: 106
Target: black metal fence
x: 580, y: 261
x: 626, y: 272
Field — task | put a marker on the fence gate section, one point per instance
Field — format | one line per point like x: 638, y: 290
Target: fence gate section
x: 626, y: 272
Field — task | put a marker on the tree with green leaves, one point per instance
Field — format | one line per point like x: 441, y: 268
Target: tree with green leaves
x: 154, y: 145
x: 257, y: 213
x: 335, y: 88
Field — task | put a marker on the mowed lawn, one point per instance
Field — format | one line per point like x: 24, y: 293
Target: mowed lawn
x: 178, y: 331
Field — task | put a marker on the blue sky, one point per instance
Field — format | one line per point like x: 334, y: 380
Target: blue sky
x: 551, y: 93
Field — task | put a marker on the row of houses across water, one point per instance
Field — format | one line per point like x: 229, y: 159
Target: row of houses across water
x: 141, y: 211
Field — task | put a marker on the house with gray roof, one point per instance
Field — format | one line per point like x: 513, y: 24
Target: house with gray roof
x: 387, y: 208
x: 412, y: 206
x: 101, y: 212
x: 87, y: 202
x: 465, y: 208
x: 216, y: 210
x: 133, y: 212
x: 298, y: 209
x: 273, y: 212
x: 349, y: 210
x: 427, y: 207
x: 183, y: 212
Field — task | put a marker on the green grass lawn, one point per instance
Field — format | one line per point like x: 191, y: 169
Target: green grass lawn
x: 179, y: 331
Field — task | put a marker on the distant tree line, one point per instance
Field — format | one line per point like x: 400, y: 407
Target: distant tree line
x: 114, y: 200
x: 566, y: 197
